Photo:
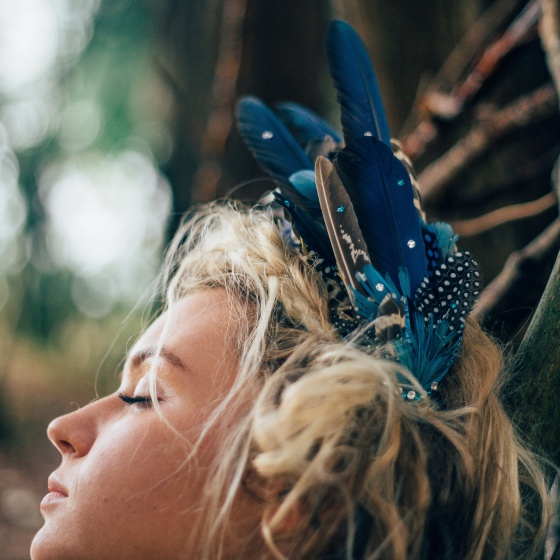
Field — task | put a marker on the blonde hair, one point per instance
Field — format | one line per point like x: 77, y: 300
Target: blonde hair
x: 329, y: 438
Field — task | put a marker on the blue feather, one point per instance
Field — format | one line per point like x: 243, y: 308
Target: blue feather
x: 409, y: 262
x: 429, y: 350
x: 376, y: 287
x: 354, y: 79
x: 304, y: 182
x: 445, y: 238
x: 306, y: 125
x: 313, y: 232
x: 381, y: 192
x: 270, y: 142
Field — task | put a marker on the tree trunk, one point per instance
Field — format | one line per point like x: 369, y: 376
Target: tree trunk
x: 211, y: 53
x: 534, y: 387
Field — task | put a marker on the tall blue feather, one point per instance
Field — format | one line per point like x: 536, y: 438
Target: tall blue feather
x: 354, y: 79
x: 306, y: 125
x: 382, y: 194
x: 270, y: 142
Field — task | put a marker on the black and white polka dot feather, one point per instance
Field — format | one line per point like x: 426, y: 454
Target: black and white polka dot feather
x: 451, y: 291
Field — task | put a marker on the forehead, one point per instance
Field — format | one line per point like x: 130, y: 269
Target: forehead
x: 199, y: 321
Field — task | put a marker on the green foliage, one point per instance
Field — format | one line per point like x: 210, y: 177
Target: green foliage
x: 109, y: 74
x: 50, y: 350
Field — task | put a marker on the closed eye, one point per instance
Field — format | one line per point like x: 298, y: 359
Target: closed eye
x: 142, y: 401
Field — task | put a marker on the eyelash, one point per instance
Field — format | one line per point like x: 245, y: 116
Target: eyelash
x: 143, y: 402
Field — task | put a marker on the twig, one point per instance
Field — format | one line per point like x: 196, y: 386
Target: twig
x: 521, y: 275
x: 501, y: 216
x: 450, y: 106
x: 461, y: 57
x: 437, y: 101
x: 525, y: 110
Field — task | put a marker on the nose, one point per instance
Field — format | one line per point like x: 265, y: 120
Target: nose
x: 74, y: 433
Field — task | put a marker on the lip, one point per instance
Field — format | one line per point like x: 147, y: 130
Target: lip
x: 56, y: 487
x: 57, y: 492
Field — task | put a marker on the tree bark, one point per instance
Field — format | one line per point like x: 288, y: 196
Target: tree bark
x: 533, y: 390
x: 274, y: 50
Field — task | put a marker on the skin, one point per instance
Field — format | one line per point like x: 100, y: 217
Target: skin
x: 124, y: 489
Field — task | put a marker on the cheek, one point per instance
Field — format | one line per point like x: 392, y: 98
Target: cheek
x: 133, y: 496
x: 145, y: 480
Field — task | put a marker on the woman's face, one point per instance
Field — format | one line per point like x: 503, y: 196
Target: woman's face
x: 124, y: 489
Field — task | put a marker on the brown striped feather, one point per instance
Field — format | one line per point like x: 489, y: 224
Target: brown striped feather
x: 344, y: 232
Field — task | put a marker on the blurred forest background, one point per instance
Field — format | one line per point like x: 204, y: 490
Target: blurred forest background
x: 116, y: 116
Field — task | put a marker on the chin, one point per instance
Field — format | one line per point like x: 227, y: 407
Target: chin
x: 47, y: 546
x: 40, y: 549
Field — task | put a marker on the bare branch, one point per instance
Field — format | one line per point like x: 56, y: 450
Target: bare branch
x: 450, y: 106
x: 525, y: 110
x: 459, y: 60
x: 438, y: 101
x: 475, y: 226
x: 521, y: 276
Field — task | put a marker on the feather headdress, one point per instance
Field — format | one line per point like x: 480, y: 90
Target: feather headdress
x: 398, y: 281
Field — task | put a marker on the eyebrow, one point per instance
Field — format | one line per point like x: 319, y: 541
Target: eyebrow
x: 138, y: 358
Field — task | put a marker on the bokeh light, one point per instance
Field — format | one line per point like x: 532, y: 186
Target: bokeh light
x: 101, y: 211
x: 24, y: 61
x: 79, y: 125
x: 13, y: 214
x: 105, y: 221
